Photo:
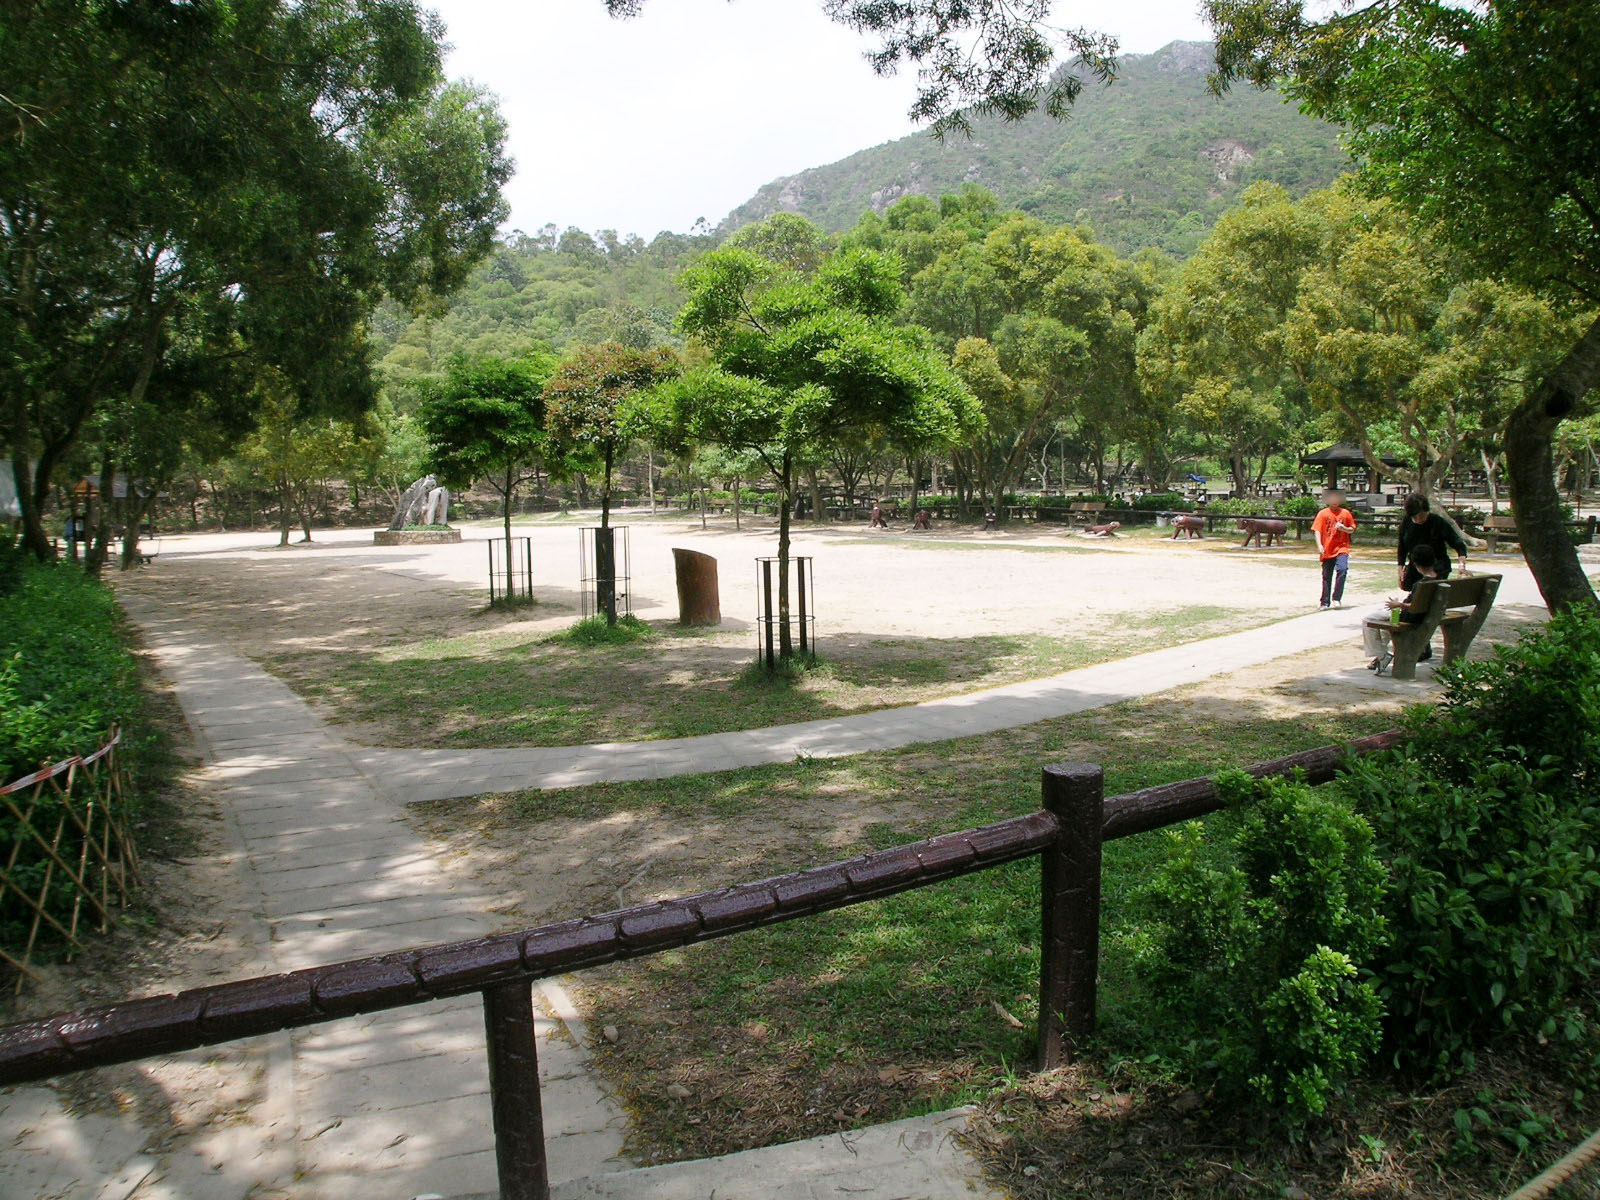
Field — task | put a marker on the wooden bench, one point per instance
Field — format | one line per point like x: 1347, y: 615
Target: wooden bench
x: 1458, y: 607
x: 1497, y: 528
x: 1086, y: 512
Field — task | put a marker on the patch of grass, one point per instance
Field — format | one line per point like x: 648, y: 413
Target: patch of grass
x: 895, y: 1006
x: 597, y: 631
x: 514, y: 601
x: 516, y: 687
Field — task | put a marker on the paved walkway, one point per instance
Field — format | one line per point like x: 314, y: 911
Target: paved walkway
x: 415, y: 775
x: 386, y: 1106
x: 396, y: 1105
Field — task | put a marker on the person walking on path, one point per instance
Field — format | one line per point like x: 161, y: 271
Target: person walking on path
x: 1424, y: 527
x: 1332, y: 529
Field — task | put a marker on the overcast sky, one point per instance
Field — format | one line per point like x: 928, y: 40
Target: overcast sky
x: 683, y: 112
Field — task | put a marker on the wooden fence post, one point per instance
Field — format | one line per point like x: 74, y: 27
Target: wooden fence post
x: 514, y: 1092
x: 1070, y: 911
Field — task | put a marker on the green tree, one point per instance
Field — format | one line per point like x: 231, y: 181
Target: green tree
x: 798, y: 363
x: 258, y: 171
x: 485, y: 420
x: 296, y: 456
x: 1214, y: 345
x: 1481, y: 120
x: 590, y: 414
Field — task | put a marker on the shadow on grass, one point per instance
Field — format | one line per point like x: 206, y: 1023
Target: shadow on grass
x: 517, y: 688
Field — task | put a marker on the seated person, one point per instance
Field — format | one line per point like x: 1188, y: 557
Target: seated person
x: 1422, y: 563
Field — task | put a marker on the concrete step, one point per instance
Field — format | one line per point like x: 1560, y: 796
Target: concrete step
x: 918, y: 1158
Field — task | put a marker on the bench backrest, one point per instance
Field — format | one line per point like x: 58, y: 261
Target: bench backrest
x: 1500, y: 523
x: 1476, y: 592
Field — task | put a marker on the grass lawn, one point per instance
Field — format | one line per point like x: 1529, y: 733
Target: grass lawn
x: 501, y: 688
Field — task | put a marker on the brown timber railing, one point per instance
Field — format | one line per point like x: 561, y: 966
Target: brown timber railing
x: 1067, y: 834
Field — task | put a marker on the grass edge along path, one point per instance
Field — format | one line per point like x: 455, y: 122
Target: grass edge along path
x: 892, y: 1008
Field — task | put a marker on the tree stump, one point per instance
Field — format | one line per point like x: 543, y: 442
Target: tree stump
x: 699, y: 602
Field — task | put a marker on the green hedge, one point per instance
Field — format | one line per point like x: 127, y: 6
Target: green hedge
x: 1272, y: 956
x: 65, y: 673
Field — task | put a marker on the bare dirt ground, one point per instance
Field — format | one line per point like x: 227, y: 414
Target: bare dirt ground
x: 397, y: 646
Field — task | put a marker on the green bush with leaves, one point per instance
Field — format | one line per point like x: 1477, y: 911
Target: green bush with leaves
x: 66, y: 676
x: 1162, y: 502
x: 1297, y: 506
x: 1249, y: 961
x: 1488, y: 820
x: 1249, y: 507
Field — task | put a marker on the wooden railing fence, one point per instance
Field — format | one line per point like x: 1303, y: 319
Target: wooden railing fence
x: 68, y: 856
x: 1067, y: 834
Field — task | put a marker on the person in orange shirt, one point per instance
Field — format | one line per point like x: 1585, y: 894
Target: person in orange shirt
x: 1332, y: 529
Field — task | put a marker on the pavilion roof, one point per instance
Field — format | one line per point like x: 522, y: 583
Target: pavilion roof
x: 1346, y: 454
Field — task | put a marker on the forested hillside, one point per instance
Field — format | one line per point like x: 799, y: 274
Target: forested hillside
x: 1152, y: 160
x: 555, y: 288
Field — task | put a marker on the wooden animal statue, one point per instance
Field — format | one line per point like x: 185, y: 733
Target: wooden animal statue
x: 1262, y: 531
x: 1191, y: 523
x: 1102, y: 531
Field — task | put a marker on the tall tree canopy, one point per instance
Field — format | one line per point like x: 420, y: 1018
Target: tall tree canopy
x: 1483, y: 120
x: 238, y: 179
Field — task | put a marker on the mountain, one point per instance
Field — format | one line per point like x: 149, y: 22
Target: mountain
x: 1150, y: 160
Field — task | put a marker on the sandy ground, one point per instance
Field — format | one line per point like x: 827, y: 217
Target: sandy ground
x: 341, y: 590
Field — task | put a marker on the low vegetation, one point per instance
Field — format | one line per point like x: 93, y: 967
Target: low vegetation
x: 590, y: 684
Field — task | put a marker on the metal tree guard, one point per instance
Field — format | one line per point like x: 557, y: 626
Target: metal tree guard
x: 510, y: 569
x: 802, y: 620
x: 603, y: 571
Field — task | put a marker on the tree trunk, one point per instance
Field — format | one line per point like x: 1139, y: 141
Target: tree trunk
x: 786, y: 487
x: 505, y: 516
x: 1530, y: 467
x: 819, y: 513
x: 605, y: 556
x: 914, y: 469
x: 285, y: 513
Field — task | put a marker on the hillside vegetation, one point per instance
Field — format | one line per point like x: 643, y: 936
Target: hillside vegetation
x: 1152, y: 160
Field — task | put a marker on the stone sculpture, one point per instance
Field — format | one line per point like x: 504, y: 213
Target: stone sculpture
x: 411, y: 503
x: 1257, y: 528
x: 1191, y: 523
x: 436, y: 510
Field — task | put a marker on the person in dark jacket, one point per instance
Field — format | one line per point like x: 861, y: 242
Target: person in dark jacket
x: 1423, y: 527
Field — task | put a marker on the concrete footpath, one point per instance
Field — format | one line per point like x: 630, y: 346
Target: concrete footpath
x: 416, y: 775
x: 396, y: 1105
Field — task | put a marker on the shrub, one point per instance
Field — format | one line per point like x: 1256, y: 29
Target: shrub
x: 1487, y: 819
x: 65, y: 675
x: 1163, y: 502
x: 12, y: 560
x: 1250, y: 507
x: 595, y: 631
x: 1297, y: 506
x: 1250, y: 960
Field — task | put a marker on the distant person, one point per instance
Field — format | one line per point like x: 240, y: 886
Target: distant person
x: 1422, y: 564
x: 1332, y: 528
x: 877, y: 521
x: 1424, y: 527
x: 923, y: 519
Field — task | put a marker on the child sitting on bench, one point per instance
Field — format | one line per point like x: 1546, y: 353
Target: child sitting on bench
x: 1423, y: 563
